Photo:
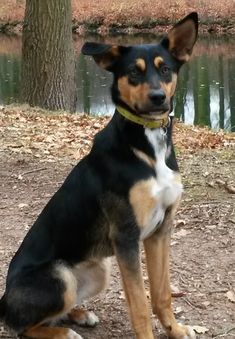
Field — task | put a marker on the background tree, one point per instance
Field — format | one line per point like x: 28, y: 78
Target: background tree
x: 201, y: 90
x: 48, y: 58
x: 231, y: 68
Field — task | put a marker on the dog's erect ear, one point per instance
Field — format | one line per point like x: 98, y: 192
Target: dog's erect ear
x: 104, y: 55
x: 182, y: 37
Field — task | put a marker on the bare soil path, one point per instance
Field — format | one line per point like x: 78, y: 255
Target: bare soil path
x: 203, y: 242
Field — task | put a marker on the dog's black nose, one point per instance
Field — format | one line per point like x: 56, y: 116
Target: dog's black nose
x: 157, y: 96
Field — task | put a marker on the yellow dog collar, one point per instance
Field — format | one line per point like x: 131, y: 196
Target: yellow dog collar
x: 142, y: 121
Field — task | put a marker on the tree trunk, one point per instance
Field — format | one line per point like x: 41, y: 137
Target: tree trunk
x: 202, y: 92
x: 231, y: 68
x: 221, y: 62
x: 48, y: 60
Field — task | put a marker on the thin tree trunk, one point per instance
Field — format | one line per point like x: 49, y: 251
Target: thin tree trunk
x: 202, y: 92
x: 221, y: 90
x: 181, y: 93
x: 48, y: 60
x: 231, y: 68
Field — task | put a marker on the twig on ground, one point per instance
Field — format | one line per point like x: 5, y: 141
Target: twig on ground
x: 224, y: 333
x: 178, y: 294
x: 228, y: 187
x: 34, y: 170
x: 190, y: 303
x: 222, y: 290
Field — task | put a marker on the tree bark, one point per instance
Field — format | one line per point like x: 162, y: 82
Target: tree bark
x: 48, y: 57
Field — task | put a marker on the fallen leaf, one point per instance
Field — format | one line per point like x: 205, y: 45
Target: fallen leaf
x: 230, y: 189
x: 200, y: 329
x: 231, y: 296
x: 174, y: 242
x: 220, y: 182
x: 180, y: 222
x: 206, y: 303
x: 178, y: 310
x: 211, y: 184
x: 174, y: 289
x: 181, y: 233
x: 22, y: 205
x: 122, y: 295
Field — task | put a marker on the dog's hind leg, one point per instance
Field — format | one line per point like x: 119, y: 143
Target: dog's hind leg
x: 82, y: 317
x: 43, y: 332
x: 36, y: 298
x: 92, y: 277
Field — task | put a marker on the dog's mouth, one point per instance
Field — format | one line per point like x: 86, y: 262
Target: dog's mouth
x: 155, y: 114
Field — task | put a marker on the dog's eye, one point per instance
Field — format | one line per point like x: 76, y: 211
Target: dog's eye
x: 165, y: 70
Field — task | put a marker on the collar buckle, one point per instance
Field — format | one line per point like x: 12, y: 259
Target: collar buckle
x: 165, y: 123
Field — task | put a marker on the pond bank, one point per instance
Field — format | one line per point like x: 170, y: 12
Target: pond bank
x: 90, y: 27
x: 115, y: 17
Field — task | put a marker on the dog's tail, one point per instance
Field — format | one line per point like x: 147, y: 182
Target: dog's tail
x: 2, y: 307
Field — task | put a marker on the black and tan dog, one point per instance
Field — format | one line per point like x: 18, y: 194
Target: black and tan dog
x: 124, y: 191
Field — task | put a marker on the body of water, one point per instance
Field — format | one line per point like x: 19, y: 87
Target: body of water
x: 205, y: 92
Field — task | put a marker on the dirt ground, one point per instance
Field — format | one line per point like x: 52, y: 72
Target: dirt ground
x: 203, y: 242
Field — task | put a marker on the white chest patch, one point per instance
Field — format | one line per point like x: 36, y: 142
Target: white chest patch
x: 160, y: 192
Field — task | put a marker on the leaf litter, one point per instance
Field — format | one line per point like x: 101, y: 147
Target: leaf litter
x: 49, y: 134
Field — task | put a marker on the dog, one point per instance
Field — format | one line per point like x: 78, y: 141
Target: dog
x: 126, y: 190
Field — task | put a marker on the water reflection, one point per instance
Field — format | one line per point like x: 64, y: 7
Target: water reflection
x: 205, y: 93
x: 9, y: 78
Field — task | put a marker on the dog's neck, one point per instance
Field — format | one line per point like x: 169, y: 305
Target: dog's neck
x: 146, y: 122
x: 134, y: 134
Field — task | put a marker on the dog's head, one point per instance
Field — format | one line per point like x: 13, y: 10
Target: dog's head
x: 145, y: 76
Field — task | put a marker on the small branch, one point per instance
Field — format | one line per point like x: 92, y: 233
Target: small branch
x: 178, y: 294
x: 229, y: 188
x: 33, y: 171
x: 222, y: 290
x: 224, y: 333
x: 190, y: 303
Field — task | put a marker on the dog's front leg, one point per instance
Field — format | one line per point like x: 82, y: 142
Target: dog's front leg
x: 128, y: 258
x: 157, y: 255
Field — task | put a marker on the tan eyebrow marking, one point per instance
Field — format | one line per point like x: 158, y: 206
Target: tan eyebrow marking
x: 158, y: 61
x: 140, y: 63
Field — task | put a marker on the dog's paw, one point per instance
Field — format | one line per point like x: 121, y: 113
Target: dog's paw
x: 187, y: 332
x: 73, y: 335
x: 85, y: 318
x: 88, y: 319
x: 180, y: 331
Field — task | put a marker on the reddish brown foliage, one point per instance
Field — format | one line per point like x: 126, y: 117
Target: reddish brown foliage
x: 133, y: 12
x: 125, y: 12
